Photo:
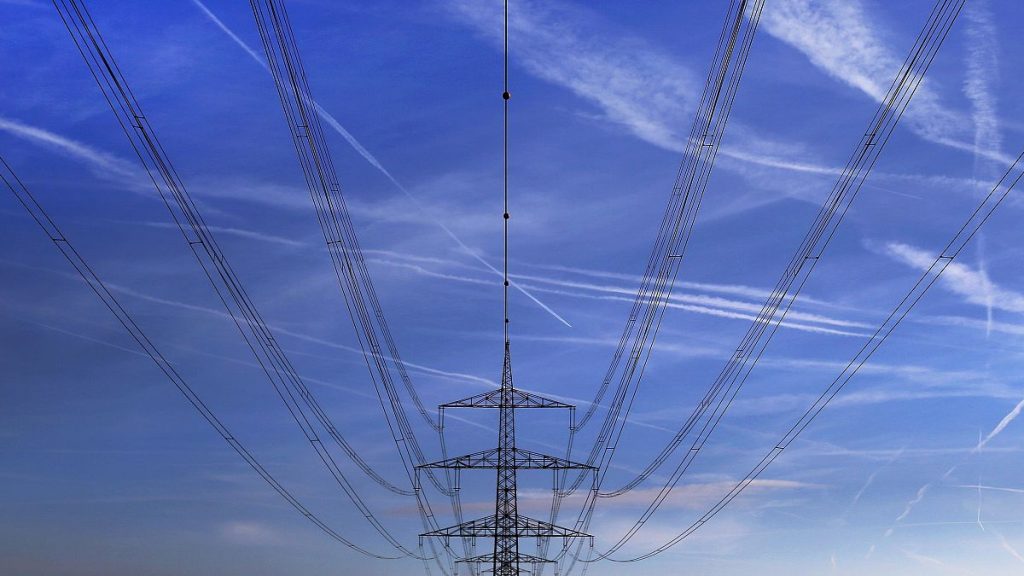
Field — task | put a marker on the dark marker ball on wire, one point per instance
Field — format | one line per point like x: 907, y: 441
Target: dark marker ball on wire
x: 506, y: 95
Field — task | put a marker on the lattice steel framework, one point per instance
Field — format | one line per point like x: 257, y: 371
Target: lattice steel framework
x: 506, y: 526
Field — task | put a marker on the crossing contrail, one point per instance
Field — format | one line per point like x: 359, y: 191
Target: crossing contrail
x: 362, y: 151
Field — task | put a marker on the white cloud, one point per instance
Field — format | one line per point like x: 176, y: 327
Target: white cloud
x: 993, y: 326
x: 1006, y: 421
x: 982, y: 443
x: 127, y: 176
x: 973, y: 285
x: 699, y: 495
x: 634, y: 84
x: 982, y: 70
x: 224, y: 28
x: 751, y: 292
x: 1009, y: 547
x: 839, y: 38
x: 696, y: 303
x: 369, y: 157
x: 249, y: 532
x: 240, y: 233
x: 925, y: 560
x: 646, y: 92
x: 104, y: 164
x: 696, y: 299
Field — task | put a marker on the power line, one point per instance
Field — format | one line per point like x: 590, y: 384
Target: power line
x: 644, y: 320
x: 342, y: 243
x: 684, y: 201
x: 817, y: 238
x: 642, y: 327
x: 228, y: 287
x: 953, y: 248
x: 31, y: 205
x: 823, y: 229
x: 648, y: 310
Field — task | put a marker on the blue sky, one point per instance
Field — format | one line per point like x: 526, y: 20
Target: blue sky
x: 104, y: 469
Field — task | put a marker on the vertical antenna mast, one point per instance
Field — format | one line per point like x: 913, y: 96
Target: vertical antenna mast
x: 506, y: 507
x: 507, y: 526
x: 505, y: 97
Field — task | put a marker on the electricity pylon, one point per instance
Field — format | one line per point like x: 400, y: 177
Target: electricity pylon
x: 506, y: 526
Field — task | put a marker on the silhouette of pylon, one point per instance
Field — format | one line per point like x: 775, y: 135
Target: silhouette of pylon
x: 506, y: 526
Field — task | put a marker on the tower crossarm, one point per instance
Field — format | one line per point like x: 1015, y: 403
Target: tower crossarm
x: 520, y: 399
x: 523, y: 459
x: 489, y: 558
x: 487, y: 527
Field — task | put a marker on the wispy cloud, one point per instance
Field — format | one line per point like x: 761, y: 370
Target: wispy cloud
x: 871, y: 479
x: 1006, y: 421
x: 632, y: 83
x: 647, y: 93
x: 242, y: 233
x: 303, y: 337
x: 103, y: 164
x: 119, y: 170
x: 698, y: 495
x: 982, y: 72
x: 988, y: 286
x: 973, y: 285
x: 28, y: 3
x: 248, y: 532
x: 973, y: 323
x: 691, y: 496
x: 704, y: 305
x: 696, y: 303
x: 982, y: 443
x: 85, y: 337
x: 980, y: 486
x: 980, y: 524
x: 323, y: 113
x: 222, y: 315
x: 745, y: 291
x: 231, y: 34
x: 909, y: 506
x: 788, y: 403
x: 695, y: 299
x: 197, y: 351
x: 922, y: 559
x: 126, y: 176
x: 770, y: 160
x: 839, y: 38
x: 373, y: 161
x: 460, y: 376
x: 1003, y: 542
x: 1008, y: 547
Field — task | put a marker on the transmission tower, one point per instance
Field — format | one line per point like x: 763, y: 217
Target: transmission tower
x: 507, y: 525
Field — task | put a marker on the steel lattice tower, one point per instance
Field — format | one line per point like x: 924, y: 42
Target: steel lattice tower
x: 506, y: 510
x: 506, y: 526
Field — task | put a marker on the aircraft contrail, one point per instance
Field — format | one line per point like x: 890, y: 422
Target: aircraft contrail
x: 333, y: 123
